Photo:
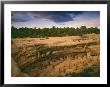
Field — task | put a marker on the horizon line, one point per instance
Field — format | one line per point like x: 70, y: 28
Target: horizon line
x: 56, y: 27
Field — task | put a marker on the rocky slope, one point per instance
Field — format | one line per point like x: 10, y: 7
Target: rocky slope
x: 55, y: 56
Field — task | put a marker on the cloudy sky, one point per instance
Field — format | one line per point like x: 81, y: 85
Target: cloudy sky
x: 41, y: 19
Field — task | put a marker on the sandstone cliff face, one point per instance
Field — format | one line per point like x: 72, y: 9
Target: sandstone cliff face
x: 15, y: 70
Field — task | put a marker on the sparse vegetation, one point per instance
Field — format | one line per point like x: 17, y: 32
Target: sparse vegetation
x: 89, y: 72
